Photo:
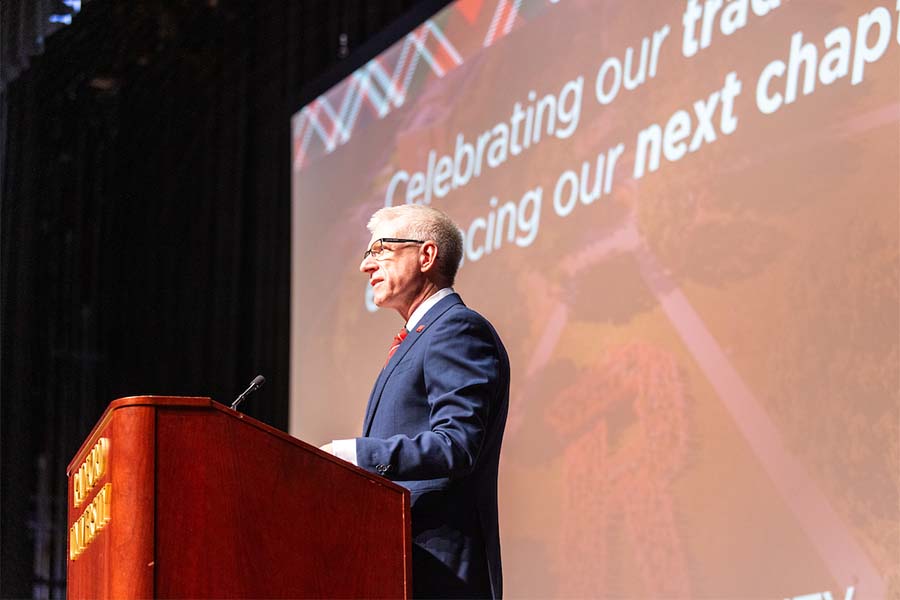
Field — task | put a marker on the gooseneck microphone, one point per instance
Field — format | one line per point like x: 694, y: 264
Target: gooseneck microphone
x: 257, y: 383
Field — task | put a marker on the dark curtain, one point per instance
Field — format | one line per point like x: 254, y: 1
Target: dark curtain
x: 146, y: 226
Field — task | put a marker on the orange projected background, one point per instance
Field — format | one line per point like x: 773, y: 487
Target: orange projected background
x: 682, y: 218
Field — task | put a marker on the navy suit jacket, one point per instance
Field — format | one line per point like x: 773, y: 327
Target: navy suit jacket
x: 434, y: 424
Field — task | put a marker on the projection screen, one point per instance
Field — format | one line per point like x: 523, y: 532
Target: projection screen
x: 682, y: 218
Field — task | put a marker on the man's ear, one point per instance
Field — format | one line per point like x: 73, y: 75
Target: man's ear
x: 428, y: 256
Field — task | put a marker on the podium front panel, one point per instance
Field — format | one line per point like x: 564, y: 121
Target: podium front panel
x: 182, y: 497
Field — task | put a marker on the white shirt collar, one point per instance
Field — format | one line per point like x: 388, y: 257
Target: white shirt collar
x: 426, y: 305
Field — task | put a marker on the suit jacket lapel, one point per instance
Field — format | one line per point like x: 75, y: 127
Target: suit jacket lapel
x: 430, y: 317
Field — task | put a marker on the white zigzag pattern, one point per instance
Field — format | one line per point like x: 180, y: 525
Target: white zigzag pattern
x: 319, y: 119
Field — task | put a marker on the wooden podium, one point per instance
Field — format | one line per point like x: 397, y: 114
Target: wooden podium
x: 183, y: 497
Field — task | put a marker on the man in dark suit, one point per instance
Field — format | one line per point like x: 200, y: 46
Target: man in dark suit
x: 435, y: 418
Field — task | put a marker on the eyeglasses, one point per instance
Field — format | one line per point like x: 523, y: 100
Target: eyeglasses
x: 378, y: 246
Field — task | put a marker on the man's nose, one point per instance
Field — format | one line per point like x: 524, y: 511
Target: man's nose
x: 368, y: 264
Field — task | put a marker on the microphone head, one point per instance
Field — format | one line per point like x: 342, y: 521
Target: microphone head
x: 258, y: 381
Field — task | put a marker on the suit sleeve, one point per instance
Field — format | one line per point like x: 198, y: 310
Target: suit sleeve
x: 461, y: 380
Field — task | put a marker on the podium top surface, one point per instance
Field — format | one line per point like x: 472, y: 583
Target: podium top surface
x: 208, y: 404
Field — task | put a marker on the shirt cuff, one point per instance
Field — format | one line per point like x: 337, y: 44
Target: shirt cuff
x: 345, y: 450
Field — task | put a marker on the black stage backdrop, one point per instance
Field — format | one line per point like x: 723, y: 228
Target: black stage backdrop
x: 146, y: 225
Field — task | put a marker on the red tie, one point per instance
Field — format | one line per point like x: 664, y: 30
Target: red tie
x: 398, y: 339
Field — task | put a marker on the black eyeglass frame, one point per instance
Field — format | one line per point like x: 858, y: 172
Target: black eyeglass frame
x: 381, y: 241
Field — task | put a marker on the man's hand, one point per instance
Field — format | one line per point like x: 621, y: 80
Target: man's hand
x: 326, y: 448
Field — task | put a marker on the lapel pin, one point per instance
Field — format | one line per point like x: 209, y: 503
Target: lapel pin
x: 420, y: 329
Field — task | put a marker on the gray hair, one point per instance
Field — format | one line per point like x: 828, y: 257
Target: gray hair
x: 426, y: 223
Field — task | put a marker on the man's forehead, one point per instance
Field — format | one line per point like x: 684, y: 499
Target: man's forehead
x: 387, y: 229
